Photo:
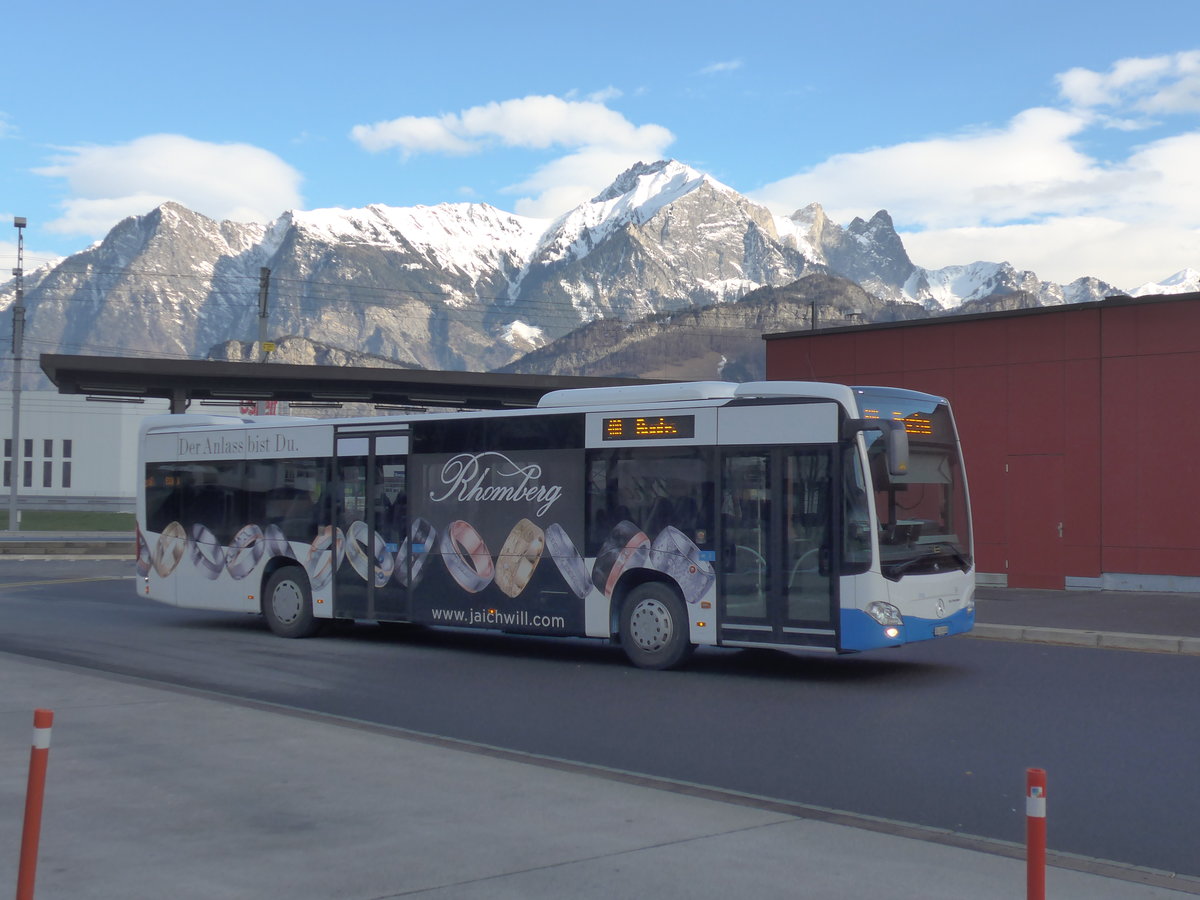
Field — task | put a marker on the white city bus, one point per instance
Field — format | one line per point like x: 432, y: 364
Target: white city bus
x: 801, y: 516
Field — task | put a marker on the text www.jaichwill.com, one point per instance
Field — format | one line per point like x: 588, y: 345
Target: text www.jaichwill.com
x: 519, y: 619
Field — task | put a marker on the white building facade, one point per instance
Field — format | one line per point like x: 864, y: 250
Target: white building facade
x: 74, y: 453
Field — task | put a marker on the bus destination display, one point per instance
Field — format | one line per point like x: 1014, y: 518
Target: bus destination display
x: 914, y: 422
x: 643, y: 428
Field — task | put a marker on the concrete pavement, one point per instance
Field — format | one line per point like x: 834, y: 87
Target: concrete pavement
x: 156, y: 792
x: 1123, y: 620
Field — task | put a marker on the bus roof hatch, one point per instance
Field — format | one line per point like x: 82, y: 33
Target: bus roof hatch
x: 640, y: 393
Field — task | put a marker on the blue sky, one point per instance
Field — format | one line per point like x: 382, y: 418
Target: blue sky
x: 1063, y: 137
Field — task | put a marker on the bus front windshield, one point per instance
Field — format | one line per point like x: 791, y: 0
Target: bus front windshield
x: 924, y: 523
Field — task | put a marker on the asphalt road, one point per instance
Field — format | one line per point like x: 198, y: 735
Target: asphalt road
x: 938, y: 735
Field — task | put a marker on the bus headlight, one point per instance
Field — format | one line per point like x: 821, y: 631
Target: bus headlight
x: 884, y: 613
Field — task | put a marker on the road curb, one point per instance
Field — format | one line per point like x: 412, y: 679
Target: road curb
x: 38, y: 549
x: 1073, y: 637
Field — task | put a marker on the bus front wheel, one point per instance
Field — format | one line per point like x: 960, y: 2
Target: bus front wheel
x: 287, y: 604
x: 654, y: 627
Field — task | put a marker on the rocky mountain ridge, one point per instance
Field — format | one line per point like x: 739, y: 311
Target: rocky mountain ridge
x: 471, y: 287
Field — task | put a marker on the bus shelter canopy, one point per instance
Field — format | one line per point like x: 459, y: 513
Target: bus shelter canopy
x: 182, y: 381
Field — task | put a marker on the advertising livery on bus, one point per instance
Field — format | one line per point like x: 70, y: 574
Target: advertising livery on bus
x: 792, y: 515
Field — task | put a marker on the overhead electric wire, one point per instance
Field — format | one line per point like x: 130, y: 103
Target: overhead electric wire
x: 59, y: 346
x: 550, y: 314
x: 546, y: 310
x: 252, y: 281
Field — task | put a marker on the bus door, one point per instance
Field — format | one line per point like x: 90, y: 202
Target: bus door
x: 371, y: 512
x: 777, y: 511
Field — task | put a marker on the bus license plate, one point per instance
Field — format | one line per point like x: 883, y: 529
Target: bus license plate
x: 941, y: 630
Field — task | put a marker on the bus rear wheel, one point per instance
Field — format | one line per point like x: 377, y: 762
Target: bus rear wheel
x: 654, y: 627
x: 287, y: 604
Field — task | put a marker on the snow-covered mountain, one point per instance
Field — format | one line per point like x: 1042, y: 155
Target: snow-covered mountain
x: 872, y: 254
x: 661, y: 237
x: 1182, y: 282
x: 469, y: 286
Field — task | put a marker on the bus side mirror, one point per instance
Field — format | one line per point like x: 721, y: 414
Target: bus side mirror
x: 895, y: 441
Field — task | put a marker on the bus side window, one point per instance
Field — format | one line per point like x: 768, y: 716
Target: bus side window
x: 685, y: 516
x: 395, y: 523
x: 856, y: 542
x: 653, y: 489
x: 164, y: 495
x: 660, y: 515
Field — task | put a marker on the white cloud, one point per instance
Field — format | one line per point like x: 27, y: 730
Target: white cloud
x: 993, y: 175
x: 600, y: 142
x: 414, y: 134
x: 34, y: 257
x: 1159, y: 85
x: 222, y: 181
x: 535, y: 122
x: 1028, y: 193
x: 1062, y: 249
x: 606, y: 94
x: 729, y: 65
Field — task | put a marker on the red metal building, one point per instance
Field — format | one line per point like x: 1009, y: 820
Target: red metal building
x: 1079, y: 426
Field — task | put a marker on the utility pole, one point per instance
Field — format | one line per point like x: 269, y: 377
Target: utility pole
x: 18, y: 338
x: 264, y: 287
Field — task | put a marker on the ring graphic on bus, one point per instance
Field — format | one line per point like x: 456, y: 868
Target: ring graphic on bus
x: 677, y: 555
x: 415, y: 547
x: 627, y: 547
x: 169, y: 549
x: 566, y: 556
x: 207, y: 555
x: 245, y: 551
x: 519, y: 557
x: 466, y: 557
x: 325, y: 555
x: 380, y: 560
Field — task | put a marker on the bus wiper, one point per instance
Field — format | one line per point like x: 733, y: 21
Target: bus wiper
x: 937, y: 552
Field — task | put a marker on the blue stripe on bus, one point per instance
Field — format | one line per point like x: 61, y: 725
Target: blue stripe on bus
x: 861, y: 632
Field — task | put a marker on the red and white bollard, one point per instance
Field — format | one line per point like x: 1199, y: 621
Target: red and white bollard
x: 34, y: 795
x: 1035, y: 834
